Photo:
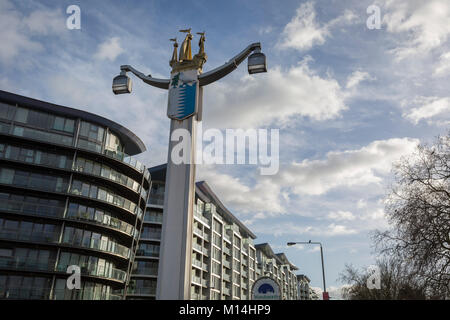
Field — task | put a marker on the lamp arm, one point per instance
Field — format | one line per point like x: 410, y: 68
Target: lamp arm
x: 220, y: 72
x: 159, y: 83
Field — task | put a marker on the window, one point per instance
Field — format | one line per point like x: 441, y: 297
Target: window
x: 21, y: 115
x: 69, y: 125
x: 6, y: 252
x: 113, y: 143
x: 6, y: 175
x: 68, y: 234
x: 6, y: 111
x: 11, y: 225
x: 95, y: 240
x: 91, y: 136
x: 58, y: 124
x: 217, y: 226
x: 86, y: 239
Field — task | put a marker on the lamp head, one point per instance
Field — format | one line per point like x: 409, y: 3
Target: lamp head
x: 291, y: 243
x: 121, y: 84
x: 257, y: 62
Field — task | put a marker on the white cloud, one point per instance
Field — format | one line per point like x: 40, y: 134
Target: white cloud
x: 263, y: 196
x: 341, y: 215
x: 287, y: 228
x: 362, y: 203
x: 426, y: 23
x: 356, y: 77
x: 110, y: 49
x: 303, y: 31
x: 265, y: 30
x: 444, y: 65
x: 46, y: 22
x: 337, y: 230
x: 17, y: 30
x: 346, y: 168
x: 275, y: 97
x: 430, y: 107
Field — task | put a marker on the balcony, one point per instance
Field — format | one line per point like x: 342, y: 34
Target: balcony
x: 197, y: 247
x: 45, y: 237
x: 198, y: 232
x: 195, y: 296
x: 197, y: 263
x: 197, y: 280
x: 125, y: 158
x: 142, y: 291
x: 39, y: 293
x: 201, y: 217
x: 16, y: 263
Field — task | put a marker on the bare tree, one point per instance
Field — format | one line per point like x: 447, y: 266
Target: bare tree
x: 418, y: 209
x: 396, y: 282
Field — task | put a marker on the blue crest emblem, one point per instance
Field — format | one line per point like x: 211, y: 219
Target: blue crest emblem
x: 183, y: 91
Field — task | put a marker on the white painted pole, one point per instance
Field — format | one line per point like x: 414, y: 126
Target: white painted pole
x: 174, y: 271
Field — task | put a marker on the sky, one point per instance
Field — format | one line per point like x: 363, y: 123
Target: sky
x: 349, y: 98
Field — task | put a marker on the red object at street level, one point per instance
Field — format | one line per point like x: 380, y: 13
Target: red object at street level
x: 325, y: 295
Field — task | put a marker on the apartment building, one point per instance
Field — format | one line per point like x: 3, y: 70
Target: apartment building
x: 278, y: 267
x: 303, y: 287
x: 225, y: 261
x: 70, y: 194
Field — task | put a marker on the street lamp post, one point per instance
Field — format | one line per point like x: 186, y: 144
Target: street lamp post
x: 185, y: 88
x: 325, y: 293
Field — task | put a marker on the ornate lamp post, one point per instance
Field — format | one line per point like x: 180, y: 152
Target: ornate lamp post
x: 185, y: 88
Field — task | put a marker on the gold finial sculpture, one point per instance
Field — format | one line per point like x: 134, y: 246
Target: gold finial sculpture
x: 185, y: 61
x: 185, y: 50
x: 201, y: 43
x: 174, y: 54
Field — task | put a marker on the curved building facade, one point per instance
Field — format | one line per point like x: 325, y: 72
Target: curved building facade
x: 70, y: 195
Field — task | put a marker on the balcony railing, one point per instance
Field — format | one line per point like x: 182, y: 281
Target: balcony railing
x: 197, y: 246
x: 142, y: 290
x: 104, y: 246
x: 32, y: 208
x: 197, y: 263
x: 46, y: 237
x: 195, y: 296
x: 198, y: 232
x: 98, y: 272
x: 146, y: 271
x: 201, y: 217
x: 39, y: 293
x: 125, y: 158
x: 196, y: 280
x: 21, y: 264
